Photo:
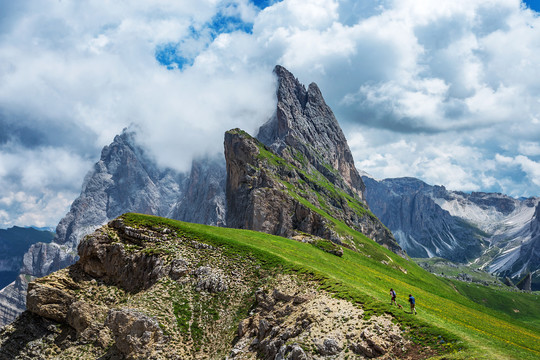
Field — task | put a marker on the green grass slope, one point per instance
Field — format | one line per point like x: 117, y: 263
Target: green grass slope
x: 447, y: 320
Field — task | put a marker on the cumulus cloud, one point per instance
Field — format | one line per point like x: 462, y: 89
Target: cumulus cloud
x: 446, y: 91
x: 75, y: 74
x: 37, y: 185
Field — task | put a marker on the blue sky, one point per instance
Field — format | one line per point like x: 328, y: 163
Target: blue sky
x: 533, y: 4
x: 445, y: 91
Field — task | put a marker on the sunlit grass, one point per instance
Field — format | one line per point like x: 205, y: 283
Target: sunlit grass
x: 363, y: 277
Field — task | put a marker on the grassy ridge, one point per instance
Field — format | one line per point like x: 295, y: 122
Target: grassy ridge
x: 366, y: 277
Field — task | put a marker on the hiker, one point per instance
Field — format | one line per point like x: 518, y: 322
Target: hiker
x: 393, y: 295
x: 412, y: 302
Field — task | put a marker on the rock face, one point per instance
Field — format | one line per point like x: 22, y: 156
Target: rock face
x: 267, y: 193
x: 154, y: 291
x: 134, y: 333
x: 14, y: 242
x: 304, y: 122
x: 525, y: 283
x: 203, y: 199
x: 419, y: 224
x: 110, y: 262
x: 124, y: 179
x: 433, y: 221
x: 13, y: 299
x: 529, y: 254
x: 256, y: 197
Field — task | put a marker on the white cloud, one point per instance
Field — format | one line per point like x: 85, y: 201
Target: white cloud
x: 38, y: 185
x: 443, y: 164
x: 530, y: 167
x: 529, y: 148
x: 446, y: 90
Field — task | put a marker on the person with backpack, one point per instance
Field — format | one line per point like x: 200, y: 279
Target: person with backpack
x: 412, y: 301
x: 393, y: 295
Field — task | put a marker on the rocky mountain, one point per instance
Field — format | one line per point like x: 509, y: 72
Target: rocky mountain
x: 304, y: 122
x: 299, y: 155
x: 153, y: 289
x: 495, y: 232
x: 123, y: 178
x: 203, y: 199
x: 14, y: 243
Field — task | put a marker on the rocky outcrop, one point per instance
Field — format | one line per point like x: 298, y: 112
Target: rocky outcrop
x: 304, y: 122
x: 301, y: 165
x: 111, y: 262
x: 288, y: 320
x: 135, y: 334
x: 267, y: 193
x: 256, y: 199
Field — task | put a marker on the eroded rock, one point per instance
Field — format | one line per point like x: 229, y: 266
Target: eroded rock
x: 134, y: 333
x: 49, y: 302
x: 291, y: 318
x: 102, y: 257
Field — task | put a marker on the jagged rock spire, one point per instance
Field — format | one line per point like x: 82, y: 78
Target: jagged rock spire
x: 305, y: 122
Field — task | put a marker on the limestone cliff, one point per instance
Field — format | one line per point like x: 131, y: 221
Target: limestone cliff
x: 150, y: 288
x: 306, y: 136
x: 267, y: 193
x: 303, y: 121
x: 419, y: 224
x: 304, y: 131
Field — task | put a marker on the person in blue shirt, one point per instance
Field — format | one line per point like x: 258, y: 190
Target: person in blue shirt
x: 393, y: 295
x: 412, y: 302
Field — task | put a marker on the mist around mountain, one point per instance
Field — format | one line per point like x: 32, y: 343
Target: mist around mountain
x: 124, y: 179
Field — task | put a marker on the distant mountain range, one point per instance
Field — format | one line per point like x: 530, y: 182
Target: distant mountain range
x: 491, y: 231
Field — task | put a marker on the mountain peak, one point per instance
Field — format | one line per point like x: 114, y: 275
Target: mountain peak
x: 306, y: 123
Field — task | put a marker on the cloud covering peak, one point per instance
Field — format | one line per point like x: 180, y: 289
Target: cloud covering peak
x: 447, y: 91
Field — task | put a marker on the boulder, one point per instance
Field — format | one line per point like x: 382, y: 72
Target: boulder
x: 134, y: 333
